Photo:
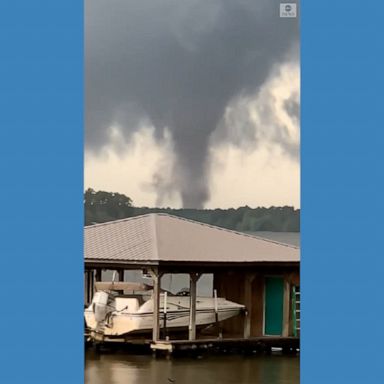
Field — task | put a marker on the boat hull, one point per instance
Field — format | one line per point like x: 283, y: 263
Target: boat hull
x: 123, y: 322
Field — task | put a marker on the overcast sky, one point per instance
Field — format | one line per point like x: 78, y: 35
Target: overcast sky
x: 192, y: 103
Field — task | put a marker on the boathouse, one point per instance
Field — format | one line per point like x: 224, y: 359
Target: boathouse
x: 259, y: 273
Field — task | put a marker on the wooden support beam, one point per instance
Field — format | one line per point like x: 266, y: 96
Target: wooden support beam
x: 121, y: 286
x: 156, y: 278
x: 165, y: 310
x: 91, y: 284
x: 86, y: 302
x: 217, y: 322
x: 121, y: 274
x: 98, y: 275
x: 248, y: 302
x: 93, y: 288
x: 286, y: 306
x: 193, y: 278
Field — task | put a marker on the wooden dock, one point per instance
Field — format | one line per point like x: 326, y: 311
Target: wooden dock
x: 251, y: 345
x: 265, y: 280
x: 236, y: 345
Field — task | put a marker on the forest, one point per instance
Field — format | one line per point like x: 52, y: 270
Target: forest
x: 101, y: 206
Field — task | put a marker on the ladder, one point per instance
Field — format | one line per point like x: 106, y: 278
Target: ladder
x: 296, y: 310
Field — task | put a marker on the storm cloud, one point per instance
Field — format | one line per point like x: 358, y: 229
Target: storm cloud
x: 177, y: 65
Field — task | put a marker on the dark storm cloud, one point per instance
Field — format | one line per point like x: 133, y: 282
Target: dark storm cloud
x: 292, y: 107
x: 177, y: 64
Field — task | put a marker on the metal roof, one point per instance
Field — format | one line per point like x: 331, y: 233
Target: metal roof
x: 165, y: 238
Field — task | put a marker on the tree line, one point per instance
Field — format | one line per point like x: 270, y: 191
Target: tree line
x: 101, y: 206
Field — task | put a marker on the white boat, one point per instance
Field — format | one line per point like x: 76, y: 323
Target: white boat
x: 113, y: 315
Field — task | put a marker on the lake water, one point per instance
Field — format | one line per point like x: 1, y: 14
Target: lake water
x: 123, y: 368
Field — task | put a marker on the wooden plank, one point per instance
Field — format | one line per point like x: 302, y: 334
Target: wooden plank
x: 257, y: 314
x: 98, y: 274
x: 121, y: 286
x: 86, y: 287
x: 286, y: 305
x: 91, y: 284
x: 165, y: 332
x: 230, y: 285
x: 248, y: 302
x: 193, y: 278
x: 293, y: 308
x: 156, y: 278
x: 162, y: 346
x: 258, y: 343
x: 240, y: 340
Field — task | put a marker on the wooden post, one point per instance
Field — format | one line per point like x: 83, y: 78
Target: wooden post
x: 165, y: 303
x: 248, y: 303
x: 91, y: 286
x: 193, y: 278
x: 286, y: 308
x: 217, y: 314
x: 121, y: 274
x: 156, y: 278
x: 98, y: 274
x: 86, y: 287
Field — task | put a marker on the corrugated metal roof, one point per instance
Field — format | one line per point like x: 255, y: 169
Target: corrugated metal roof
x: 162, y: 237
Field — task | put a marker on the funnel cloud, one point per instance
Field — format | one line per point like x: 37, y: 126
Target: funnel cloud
x: 177, y: 66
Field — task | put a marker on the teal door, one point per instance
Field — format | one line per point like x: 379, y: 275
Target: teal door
x: 274, y: 294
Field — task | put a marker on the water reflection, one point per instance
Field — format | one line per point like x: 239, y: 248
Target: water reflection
x: 135, y: 369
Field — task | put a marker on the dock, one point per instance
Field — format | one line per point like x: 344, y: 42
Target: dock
x: 260, y: 274
x: 209, y: 345
x: 250, y: 345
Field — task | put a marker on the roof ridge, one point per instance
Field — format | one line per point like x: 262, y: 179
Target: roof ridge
x: 230, y: 230
x: 118, y: 221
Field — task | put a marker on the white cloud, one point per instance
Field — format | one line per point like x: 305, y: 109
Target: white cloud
x: 254, y: 178
x: 256, y: 162
x: 254, y: 154
x: 134, y: 168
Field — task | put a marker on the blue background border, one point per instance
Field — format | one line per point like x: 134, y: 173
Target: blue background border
x: 342, y: 191
x: 41, y: 139
x: 41, y: 168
